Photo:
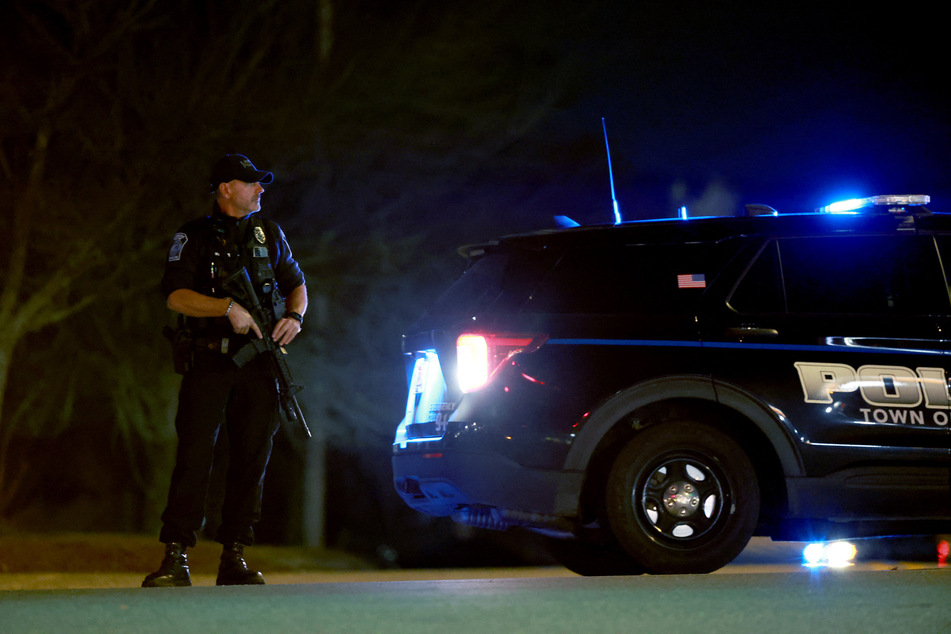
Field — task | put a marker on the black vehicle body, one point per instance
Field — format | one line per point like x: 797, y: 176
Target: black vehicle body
x: 814, y: 346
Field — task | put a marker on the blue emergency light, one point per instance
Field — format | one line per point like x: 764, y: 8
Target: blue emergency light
x: 896, y: 203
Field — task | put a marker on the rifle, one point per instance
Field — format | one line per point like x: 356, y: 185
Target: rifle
x: 239, y: 286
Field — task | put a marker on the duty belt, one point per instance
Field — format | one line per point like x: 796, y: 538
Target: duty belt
x: 211, y: 344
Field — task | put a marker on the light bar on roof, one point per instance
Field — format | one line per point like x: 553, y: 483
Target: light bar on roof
x: 854, y: 204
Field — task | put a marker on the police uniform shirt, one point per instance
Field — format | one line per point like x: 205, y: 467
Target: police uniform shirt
x: 206, y: 250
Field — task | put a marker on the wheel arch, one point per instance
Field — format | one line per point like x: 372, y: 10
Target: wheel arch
x: 751, y: 423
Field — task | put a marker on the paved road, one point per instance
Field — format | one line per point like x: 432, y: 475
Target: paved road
x: 766, y: 588
x: 852, y: 600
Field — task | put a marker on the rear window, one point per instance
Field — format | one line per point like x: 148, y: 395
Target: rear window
x: 499, y: 281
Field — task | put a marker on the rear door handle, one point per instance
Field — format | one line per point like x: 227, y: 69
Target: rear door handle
x: 751, y: 332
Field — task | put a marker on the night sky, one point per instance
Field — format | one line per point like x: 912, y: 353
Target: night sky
x: 789, y: 106
x: 712, y: 105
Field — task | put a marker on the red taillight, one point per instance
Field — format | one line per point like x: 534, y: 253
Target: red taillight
x: 479, y: 356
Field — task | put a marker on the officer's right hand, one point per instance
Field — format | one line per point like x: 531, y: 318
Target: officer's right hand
x: 242, y: 322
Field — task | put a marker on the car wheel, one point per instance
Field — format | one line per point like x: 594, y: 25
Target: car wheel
x: 682, y: 497
x: 593, y: 559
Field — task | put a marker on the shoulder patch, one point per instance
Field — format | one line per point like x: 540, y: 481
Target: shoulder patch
x: 178, y: 243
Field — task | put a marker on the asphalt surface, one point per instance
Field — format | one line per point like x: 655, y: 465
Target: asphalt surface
x: 766, y: 588
x: 76, y: 562
x: 803, y: 601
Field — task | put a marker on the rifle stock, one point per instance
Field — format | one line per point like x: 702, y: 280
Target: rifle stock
x: 239, y: 286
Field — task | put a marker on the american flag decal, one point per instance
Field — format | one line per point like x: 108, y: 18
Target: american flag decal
x: 692, y: 280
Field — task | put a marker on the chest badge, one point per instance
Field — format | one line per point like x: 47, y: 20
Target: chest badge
x: 259, y: 234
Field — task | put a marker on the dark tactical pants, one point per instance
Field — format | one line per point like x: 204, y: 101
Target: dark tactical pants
x: 248, y: 398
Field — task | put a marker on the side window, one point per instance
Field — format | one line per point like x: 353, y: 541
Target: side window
x: 761, y: 289
x: 863, y: 274
x: 944, y: 250
x: 633, y: 278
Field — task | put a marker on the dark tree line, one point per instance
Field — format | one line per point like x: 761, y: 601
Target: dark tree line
x: 382, y: 122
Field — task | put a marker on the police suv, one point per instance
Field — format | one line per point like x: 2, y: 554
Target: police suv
x: 652, y: 394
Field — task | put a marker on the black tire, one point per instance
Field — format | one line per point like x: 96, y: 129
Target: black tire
x: 682, y: 497
x: 593, y: 559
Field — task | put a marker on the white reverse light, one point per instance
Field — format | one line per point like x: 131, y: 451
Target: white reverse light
x: 472, y: 361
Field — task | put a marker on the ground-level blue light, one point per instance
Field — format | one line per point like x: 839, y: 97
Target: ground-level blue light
x: 832, y: 554
x: 682, y: 212
x: 812, y: 554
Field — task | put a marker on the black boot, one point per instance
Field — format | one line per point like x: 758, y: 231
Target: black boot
x: 174, y: 569
x: 234, y: 571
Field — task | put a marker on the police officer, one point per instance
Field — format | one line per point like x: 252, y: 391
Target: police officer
x: 215, y: 391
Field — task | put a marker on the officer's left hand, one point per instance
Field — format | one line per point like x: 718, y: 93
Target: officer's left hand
x: 285, y: 331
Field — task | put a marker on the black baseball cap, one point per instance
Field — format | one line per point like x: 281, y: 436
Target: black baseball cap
x: 232, y: 167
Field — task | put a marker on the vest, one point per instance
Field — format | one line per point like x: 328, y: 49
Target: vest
x: 226, y: 246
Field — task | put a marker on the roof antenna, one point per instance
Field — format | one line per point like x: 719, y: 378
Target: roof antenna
x: 617, y: 211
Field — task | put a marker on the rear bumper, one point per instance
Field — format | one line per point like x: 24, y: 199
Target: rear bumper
x: 439, y: 482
